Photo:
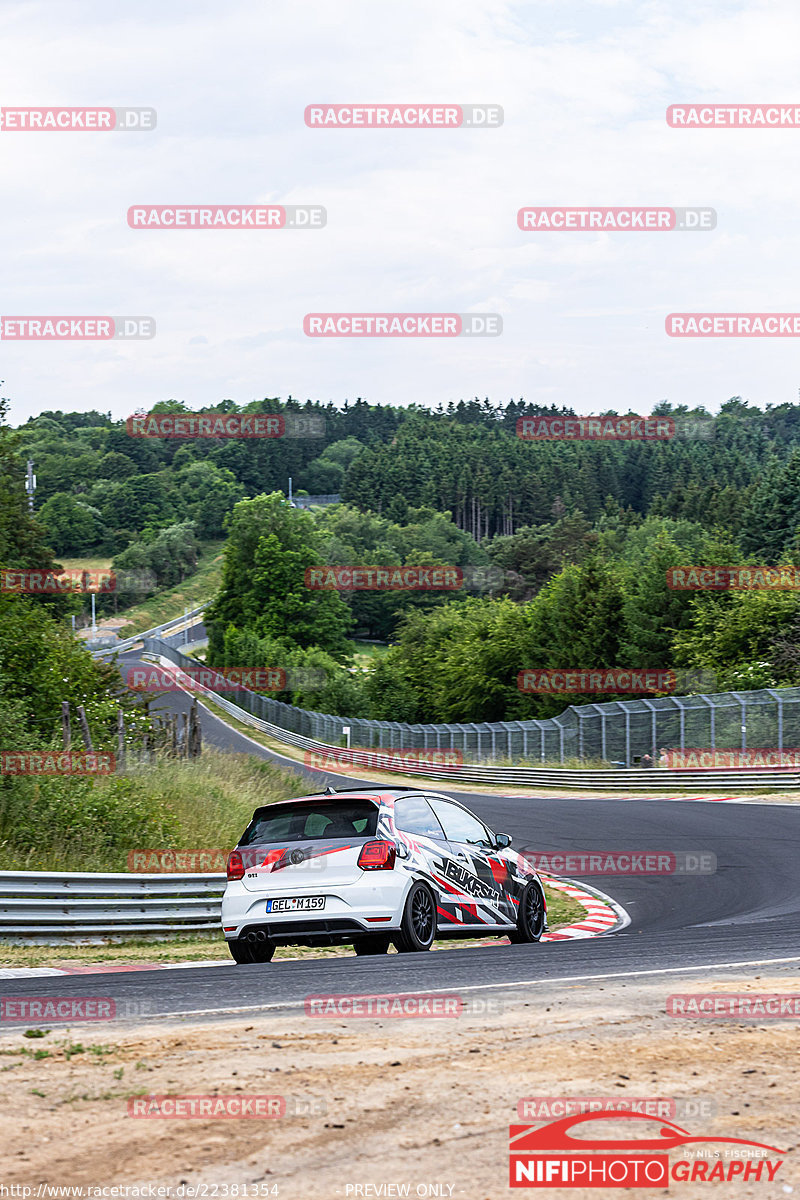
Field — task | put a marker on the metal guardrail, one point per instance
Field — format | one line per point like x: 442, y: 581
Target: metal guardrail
x: 646, y: 779
x: 75, y: 903
x: 129, y: 643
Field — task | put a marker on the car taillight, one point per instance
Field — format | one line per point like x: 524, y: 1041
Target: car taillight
x: 235, y: 865
x: 377, y: 856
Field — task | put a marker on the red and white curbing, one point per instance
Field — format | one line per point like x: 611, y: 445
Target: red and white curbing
x: 602, y: 913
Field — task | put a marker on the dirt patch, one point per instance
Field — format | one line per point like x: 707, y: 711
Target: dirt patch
x: 417, y: 1102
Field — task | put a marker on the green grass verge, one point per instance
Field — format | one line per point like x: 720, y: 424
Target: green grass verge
x: 84, y: 564
x: 91, y: 825
x: 197, y: 589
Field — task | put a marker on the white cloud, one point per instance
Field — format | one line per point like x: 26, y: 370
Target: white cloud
x: 417, y: 220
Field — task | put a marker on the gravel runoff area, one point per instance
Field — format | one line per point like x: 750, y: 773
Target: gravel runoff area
x: 374, y: 1102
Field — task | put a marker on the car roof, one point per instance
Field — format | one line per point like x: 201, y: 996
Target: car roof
x: 354, y: 793
x: 380, y: 791
x: 377, y: 793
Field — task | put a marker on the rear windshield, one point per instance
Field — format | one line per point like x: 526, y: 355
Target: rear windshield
x: 316, y: 819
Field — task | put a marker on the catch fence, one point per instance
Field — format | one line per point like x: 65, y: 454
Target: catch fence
x: 619, y: 732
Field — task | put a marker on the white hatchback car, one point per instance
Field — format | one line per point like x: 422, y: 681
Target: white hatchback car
x: 372, y: 866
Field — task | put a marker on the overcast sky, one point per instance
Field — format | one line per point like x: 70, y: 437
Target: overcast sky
x: 417, y: 220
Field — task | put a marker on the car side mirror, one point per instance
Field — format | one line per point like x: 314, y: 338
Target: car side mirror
x: 502, y: 840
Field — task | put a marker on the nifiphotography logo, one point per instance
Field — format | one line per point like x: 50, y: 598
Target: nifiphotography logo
x: 553, y: 1156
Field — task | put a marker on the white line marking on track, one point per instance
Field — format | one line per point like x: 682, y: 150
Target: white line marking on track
x: 486, y: 987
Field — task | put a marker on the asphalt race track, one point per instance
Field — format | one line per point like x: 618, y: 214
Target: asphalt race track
x: 743, y: 916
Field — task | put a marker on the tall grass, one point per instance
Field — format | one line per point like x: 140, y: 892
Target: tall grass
x: 72, y: 824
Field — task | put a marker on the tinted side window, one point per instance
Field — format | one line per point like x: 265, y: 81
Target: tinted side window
x: 414, y: 815
x: 460, y: 826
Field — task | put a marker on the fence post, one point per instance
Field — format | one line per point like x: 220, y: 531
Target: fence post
x: 66, y: 730
x: 120, y: 738
x: 627, y: 737
x: 195, y: 733
x: 780, y: 724
x: 87, y: 737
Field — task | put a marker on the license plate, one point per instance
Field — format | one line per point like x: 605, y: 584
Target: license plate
x: 295, y: 903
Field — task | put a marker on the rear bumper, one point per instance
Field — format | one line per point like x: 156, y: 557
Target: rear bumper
x: 333, y: 931
x: 366, y: 907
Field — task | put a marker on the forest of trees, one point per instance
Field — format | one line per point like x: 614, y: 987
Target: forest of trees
x: 564, y: 545
x: 41, y: 666
x: 99, y: 489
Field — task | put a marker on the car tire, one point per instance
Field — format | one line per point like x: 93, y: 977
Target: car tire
x: 531, y: 917
x: 244, y: 951
x: 371, y: 945
x: 418, y: 927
